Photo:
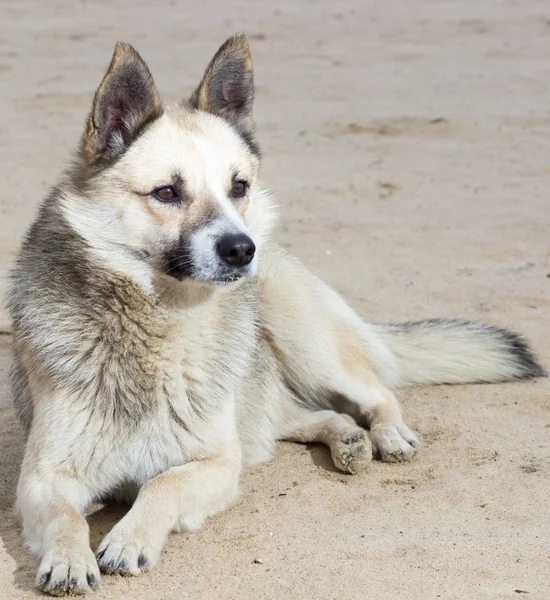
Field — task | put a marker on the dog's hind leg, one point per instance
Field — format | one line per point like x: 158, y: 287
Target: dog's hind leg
x: 376, y: 406
x: 329, y: 357
x: 371, y: 404
x: 349, y: 444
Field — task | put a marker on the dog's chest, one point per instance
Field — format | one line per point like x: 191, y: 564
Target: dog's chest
x: 174, y: 389
x: 209, y: 351
x: 139, y: 361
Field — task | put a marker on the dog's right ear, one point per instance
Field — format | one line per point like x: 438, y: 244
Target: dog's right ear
x: 126, y: 100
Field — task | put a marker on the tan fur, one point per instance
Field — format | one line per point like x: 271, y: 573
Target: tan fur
x: 352, y: 354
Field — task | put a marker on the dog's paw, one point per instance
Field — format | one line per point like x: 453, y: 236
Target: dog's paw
x: 127, y: 552
x: 394, y: 443
x: 353, y: 452
x: 68, y: 571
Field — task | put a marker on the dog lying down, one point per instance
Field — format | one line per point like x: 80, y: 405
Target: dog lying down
x: 163, y: 342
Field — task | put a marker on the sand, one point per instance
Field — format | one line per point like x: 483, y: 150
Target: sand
x: 408, y: 145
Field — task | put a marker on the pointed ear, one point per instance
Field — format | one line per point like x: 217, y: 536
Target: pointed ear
x: 126, y: 100
x: 227, y: 87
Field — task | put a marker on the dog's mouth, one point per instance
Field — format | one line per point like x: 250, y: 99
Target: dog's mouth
x: 185, y: 269
x: 232, y: 278
x: 218, y: 280
x: 219, y: 276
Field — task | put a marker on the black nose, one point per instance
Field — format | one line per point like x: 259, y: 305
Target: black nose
x: 236, y: 250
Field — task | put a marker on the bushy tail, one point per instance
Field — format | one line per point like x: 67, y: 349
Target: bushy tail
x: 456, y: 351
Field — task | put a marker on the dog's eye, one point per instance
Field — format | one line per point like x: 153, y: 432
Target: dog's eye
x: 239, y: 189
x: 166, y: 194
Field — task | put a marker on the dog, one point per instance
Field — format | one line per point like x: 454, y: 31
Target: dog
x: 163, y: 342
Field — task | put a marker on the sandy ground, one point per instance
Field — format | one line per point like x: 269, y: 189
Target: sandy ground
x: 408, y: 144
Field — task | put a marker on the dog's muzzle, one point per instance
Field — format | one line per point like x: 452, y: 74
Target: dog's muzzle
x: 212, y: 256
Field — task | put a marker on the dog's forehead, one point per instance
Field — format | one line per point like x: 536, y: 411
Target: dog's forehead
x: 192, y: 144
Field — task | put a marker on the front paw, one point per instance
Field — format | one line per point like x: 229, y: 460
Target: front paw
x: 394, y: 443
x: 66, y: 570
x: 128, y: 552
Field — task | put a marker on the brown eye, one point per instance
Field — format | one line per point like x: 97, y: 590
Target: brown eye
x: 239, y: 189
x: 165, y: 194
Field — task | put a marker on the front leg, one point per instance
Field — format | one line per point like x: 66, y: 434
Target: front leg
x: 178, y: 500
x: 50, y: 502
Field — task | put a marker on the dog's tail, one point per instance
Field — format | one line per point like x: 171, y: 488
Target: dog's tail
x: 456, y: 351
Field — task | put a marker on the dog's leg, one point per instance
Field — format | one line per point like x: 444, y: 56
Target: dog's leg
x: 349, y: 444
x: 51, y: 503
x: 377, y: 406
x: 329, y: 356
x: 178, y: 500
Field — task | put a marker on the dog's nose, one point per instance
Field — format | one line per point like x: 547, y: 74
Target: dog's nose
x: 236, y: 250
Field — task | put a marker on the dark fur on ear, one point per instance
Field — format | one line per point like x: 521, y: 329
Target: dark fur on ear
x: 124, y: 103
x: 227, y: 88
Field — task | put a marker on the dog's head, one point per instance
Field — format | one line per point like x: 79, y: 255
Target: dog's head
x: 175, y: 188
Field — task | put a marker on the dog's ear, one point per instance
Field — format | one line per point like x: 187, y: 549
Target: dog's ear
x: 227, y: 87
x: 126, y: 100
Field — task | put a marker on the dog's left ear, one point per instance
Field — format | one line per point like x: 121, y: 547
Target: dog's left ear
x: 227, y: 87
x: 126, y: 100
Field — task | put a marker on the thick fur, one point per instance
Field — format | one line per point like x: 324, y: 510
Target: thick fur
x: 149, y: 370
x: 457, y: 351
